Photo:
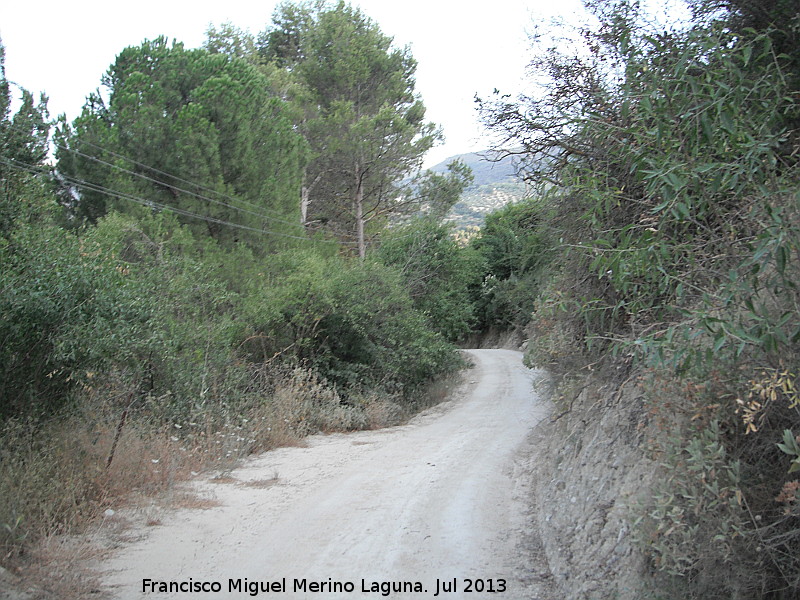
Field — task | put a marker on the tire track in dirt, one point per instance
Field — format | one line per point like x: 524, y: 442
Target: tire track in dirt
x: 423, y: 506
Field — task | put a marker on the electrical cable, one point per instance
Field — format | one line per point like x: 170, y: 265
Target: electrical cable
x: 264, y: 213
x: 152, y: 204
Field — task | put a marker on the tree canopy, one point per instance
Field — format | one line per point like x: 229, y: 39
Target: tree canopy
x: 192, y: 131
x: 366, y: 125
x: 159, y: 279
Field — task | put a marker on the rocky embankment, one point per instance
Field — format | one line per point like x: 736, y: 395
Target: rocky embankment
x: 590, y: 469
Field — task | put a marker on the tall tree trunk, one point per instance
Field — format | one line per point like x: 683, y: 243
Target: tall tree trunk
x: 305, y: 193
x: 358, y: 200
x: 305, y: 196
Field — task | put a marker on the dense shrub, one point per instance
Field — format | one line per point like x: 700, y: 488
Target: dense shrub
x: 133, y: 340
x: 354, y: 322
x: 441, y: 277
x: 516, y: 248
x: 52, y: 289
x: 675, y: 154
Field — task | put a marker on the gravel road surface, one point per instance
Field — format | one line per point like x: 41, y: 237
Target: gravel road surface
x: 435, y: 508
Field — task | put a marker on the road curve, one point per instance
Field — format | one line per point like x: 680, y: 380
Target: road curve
x: 432, y: 506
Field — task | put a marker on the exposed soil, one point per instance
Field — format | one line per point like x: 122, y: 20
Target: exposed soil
x: 429, y: 505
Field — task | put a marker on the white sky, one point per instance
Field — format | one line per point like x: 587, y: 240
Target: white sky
x: 62, y: 47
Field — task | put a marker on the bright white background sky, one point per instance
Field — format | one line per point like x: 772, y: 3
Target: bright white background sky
x: 62, y: 47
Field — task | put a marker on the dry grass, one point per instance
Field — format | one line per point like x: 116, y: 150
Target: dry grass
x: 58, y: 480
x: 224, y: 479
x: 192, y: 501
x: 57, y: 568
x: 260, y: 483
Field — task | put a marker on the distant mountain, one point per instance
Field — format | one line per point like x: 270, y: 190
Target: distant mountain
x: 487, y: 167
x: 496, y: 184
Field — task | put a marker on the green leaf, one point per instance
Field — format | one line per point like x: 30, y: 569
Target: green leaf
x: 727, y: 122
x: 780, y: 259
x: 708, y: 129
x: 680, y: 210
x: 675, y: 181
x: 789, y: 445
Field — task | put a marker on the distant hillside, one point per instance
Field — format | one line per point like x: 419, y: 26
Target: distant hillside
x: 495, y: 185
x: 485, y: 170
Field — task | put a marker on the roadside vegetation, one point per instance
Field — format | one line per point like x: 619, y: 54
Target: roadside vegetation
x: 208, y: 262
x: 198, y: 273
x: 671, y: 159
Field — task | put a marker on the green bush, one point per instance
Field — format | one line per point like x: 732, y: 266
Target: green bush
x: 516, y: 245
x: 676, y: 157
x: 55, y: 290
x: 440, y: 276
x: 710, y: 556
x: 353, y: 322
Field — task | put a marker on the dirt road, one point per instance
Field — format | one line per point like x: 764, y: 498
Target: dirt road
x: 432, y: 509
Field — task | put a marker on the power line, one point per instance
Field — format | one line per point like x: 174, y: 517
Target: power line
x: 263, y: 212
x: 177, y: 189
x: 180, y: 211
x: 152, y: 204
x: 98, y: 188
x: 259, y: 211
